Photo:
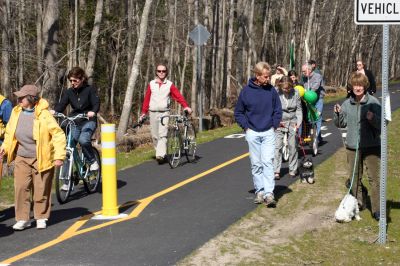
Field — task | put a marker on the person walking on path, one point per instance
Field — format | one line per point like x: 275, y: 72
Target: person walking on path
x: 258, y: 112
x: 36, y: 143
x: 314, y: 81
x: 292, y: 117
x: 361, y: 114
x: 157, y: 103
x: 371, y: 79
x: 5, y: 113
x: 84, y: 100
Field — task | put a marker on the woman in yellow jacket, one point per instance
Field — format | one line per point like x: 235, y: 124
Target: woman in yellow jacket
x: 35, y: 141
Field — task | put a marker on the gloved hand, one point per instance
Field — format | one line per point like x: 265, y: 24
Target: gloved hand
x: 188, y: 110
x: 142, y: 118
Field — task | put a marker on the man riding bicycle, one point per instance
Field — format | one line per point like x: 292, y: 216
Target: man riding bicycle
x: 83, y: 99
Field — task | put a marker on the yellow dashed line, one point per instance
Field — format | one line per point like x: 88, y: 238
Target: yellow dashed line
x: 73, y: 230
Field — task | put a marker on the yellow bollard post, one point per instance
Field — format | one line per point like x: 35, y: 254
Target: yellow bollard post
x: 109, y: 174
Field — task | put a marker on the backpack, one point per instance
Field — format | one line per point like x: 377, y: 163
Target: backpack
x: 2, y: 126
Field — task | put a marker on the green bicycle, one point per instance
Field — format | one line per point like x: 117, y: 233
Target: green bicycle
x: 75, y: 166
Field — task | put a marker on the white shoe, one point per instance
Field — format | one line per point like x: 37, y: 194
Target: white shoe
x: 94, y: 166
x: 64, y: 187
x: 21, y: 225
x: 41, y: 223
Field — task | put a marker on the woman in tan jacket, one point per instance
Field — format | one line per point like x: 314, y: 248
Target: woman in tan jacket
x: 36, y: 143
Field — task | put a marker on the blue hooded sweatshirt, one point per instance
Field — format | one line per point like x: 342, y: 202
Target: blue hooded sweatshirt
x: 258, y: 107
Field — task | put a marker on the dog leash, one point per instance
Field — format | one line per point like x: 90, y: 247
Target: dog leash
x: 301, y: 144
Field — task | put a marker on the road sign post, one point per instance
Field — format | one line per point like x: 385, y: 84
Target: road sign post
x: 199, y: 35
x: 372, y: 12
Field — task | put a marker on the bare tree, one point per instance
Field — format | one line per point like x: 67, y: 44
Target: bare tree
x: 126, y: 109
x: 5, y: 52
x: 93, y: 41
x: 50, y: 41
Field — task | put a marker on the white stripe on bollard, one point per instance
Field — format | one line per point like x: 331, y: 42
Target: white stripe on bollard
x: 108, y: 161
x: 107, y: 128
x: 108, y: 145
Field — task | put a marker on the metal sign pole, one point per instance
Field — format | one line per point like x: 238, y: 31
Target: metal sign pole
x: 200, y: 91
x: 383, y: 170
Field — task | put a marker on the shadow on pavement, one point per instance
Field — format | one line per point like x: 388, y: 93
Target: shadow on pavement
x: 63, y: 215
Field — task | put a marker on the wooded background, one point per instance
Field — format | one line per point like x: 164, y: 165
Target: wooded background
x: 119, y: 42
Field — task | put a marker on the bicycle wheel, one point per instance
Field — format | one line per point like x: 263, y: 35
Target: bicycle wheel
x: 314, y: 140
x: 174, y: 145
x: 190, y: 144
x: 63, y: 176
x: 92, y: 178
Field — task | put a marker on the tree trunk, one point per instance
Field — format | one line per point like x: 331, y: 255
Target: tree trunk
x: 251, y: 54
x: 309, y: 27
x: 39, y: 34
x: 93, y: 41
x: 5, y: 52
x: 50, y: 40
x: 21, y: 42
x: 193, y: 97
x: 330, y: 36
x: 229, y: 90
x: 126, y: 109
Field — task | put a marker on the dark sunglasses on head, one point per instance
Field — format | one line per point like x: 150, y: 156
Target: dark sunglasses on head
x: 161, y: 71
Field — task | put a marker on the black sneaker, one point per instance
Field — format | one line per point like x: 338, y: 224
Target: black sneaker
x: 376, y: 215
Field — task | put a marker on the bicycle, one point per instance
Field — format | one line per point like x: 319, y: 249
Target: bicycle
x: 75, y: 166
x: 285, y: 144
x: 179, y: 142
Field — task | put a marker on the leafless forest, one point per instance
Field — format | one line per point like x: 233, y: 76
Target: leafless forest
x: 118, y: 43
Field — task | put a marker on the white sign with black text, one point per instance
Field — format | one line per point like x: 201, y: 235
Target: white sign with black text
x: 380, y: 12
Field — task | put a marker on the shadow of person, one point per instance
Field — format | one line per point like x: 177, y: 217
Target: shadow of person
x: 389, y: 206
x: 281, y: 190
x: 62, y: 215
x: 5, y: 230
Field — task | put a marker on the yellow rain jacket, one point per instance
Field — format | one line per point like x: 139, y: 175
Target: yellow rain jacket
x: 50, y: 138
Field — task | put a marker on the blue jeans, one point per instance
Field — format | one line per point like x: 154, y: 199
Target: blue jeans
x: 83, y: 134
x: 320, y: 106
x: 261, y: 148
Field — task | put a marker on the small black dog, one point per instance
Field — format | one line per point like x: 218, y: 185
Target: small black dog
x: 306, y: 171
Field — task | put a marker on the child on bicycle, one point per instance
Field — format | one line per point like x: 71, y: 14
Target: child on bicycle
x: 156, y: 103
x: 292, y: 117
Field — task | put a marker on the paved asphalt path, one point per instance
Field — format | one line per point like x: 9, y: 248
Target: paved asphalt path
x: 161, y: 228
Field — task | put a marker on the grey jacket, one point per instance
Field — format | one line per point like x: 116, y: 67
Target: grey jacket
x: 315, y: 83
x: 291, y: 107
x: 353, y: 115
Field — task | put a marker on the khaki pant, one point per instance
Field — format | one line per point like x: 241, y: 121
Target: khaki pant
x: 159, y: 132
x: 369, y: 157
x: 27, y: 179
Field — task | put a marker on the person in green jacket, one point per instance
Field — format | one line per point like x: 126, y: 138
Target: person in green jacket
x: 361, y: 114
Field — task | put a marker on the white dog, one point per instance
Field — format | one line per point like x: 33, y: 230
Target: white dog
x: 348, y: 209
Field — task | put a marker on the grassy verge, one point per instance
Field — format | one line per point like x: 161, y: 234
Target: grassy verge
x: 124, y: 160
x: 302, y: 230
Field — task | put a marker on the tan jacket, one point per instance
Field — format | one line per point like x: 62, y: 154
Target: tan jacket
x: 50, y: 138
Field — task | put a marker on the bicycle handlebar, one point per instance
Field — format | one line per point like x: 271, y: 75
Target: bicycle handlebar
x: 70, y: 118
x: 179, y: 118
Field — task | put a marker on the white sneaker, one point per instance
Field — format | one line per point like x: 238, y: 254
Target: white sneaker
x: 41, y: 223
x: 259, y: 198
x: 21, y: 225
x: 64, y: 187
x: 94, y: 166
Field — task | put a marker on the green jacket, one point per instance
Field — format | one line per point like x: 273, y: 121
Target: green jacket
x: 354, y: 116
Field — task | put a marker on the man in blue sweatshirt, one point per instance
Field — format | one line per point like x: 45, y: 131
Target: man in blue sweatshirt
x: 259, y: 112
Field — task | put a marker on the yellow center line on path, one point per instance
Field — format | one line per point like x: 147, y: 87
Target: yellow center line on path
x: 73, y: 230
